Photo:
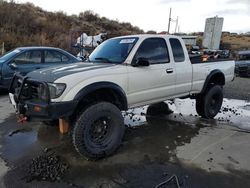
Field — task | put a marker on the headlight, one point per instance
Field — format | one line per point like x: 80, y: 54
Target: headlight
x: 56, y: 89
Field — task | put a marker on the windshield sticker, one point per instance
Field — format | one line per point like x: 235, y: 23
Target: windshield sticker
x: 127, y: 41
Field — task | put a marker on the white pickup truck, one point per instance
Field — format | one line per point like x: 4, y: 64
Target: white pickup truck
x: 121, y: 73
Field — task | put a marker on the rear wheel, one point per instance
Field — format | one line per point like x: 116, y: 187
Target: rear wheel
x: 200, y: 105
x: 99, y: 131
x: 209, y: 104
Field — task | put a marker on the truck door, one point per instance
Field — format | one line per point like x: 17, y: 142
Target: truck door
x: 183, y: 67
x: 153, y: 82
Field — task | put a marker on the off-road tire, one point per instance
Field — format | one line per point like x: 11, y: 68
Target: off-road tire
x: 209, y: 104
x: 99, y: 131
x: 200, y: 105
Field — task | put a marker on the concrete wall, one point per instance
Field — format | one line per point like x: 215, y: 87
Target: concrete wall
x: 212, y: 33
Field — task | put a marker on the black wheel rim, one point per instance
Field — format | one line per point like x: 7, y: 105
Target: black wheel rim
x: 100, y: 130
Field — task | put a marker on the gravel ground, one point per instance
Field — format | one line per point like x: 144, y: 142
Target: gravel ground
x: 238, y: 89
x: 198, y: 151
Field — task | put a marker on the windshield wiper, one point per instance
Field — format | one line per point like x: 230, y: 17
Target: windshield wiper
x: 104, y: 59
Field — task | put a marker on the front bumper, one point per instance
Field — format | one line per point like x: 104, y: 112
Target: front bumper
x: 25, y: 96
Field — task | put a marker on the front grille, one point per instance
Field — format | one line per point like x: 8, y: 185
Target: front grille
x: 26, y: 89
x: 33, y: 91
x: 243, y: 68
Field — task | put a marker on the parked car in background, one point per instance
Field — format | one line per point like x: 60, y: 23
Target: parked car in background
x: 27, y: 59
x: 242, y: 64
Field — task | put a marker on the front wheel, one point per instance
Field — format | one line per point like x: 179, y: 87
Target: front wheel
x: 209, y: 104
x: 99, y: 131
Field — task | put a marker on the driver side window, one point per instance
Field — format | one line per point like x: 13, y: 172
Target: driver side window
x: 154, y: 50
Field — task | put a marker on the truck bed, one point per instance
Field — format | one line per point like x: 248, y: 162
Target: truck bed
x: 203, y: 69
x: 195, y: 59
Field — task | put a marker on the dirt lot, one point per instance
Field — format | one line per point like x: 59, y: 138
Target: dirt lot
x: 238, y: 89
x: 199, y: 152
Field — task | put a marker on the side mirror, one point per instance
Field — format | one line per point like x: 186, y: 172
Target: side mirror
x: 13, y: 65
x: 141, y: 62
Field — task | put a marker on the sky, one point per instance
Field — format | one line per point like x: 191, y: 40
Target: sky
x: 154, y: 14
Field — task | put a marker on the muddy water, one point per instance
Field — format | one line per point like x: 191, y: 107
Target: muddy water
x: 152, y: 150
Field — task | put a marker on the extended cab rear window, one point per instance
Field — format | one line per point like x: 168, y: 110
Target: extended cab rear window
x: 154, y: 50
x: 177, y: 50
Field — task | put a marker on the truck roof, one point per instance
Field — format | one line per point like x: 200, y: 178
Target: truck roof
x: 142, y: 36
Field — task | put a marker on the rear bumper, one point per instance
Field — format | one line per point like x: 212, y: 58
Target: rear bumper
x: 27, y: 105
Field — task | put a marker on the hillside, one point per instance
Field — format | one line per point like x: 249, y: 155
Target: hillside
x: 235, y: 42
x: 26, y: 24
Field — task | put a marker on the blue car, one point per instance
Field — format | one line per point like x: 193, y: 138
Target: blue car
x: 27, y: 59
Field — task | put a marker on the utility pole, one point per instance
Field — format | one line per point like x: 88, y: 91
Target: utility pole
x: 176, y: 25
x: 169, y: 20
x: 3, y: 50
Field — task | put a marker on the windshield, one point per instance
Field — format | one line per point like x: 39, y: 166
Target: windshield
x: 113, y: 50
x: 9, y: 55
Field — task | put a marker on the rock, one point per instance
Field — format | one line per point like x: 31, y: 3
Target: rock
x: 46, y: 150
x: 143, y: 114
x: 46, y: 168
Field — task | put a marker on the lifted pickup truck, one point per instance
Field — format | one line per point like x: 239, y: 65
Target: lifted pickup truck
x: 121, y: 73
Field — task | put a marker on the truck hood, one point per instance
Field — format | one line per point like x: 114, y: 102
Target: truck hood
x: 53, y: 73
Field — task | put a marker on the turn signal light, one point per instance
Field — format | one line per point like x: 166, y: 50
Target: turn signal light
x: 37, y: 109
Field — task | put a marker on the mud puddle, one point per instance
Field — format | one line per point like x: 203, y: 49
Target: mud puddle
x: 152, y: 151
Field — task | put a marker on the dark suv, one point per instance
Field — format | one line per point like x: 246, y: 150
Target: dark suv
x: 27, y: 59
x: 242, y: 65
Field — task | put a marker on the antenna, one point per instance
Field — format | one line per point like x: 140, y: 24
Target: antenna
x: 169, y: 20
x: 176, y: 25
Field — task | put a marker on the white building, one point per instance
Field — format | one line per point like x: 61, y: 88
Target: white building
x: 212, y: 33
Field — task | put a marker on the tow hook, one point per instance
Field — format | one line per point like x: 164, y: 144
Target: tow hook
x: 22, y: 119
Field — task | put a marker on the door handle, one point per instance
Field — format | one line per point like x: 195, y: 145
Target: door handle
x: 37, y: 67
x: 169, y: 71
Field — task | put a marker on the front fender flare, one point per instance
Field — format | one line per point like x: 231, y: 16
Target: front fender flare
x: 104, y: 85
